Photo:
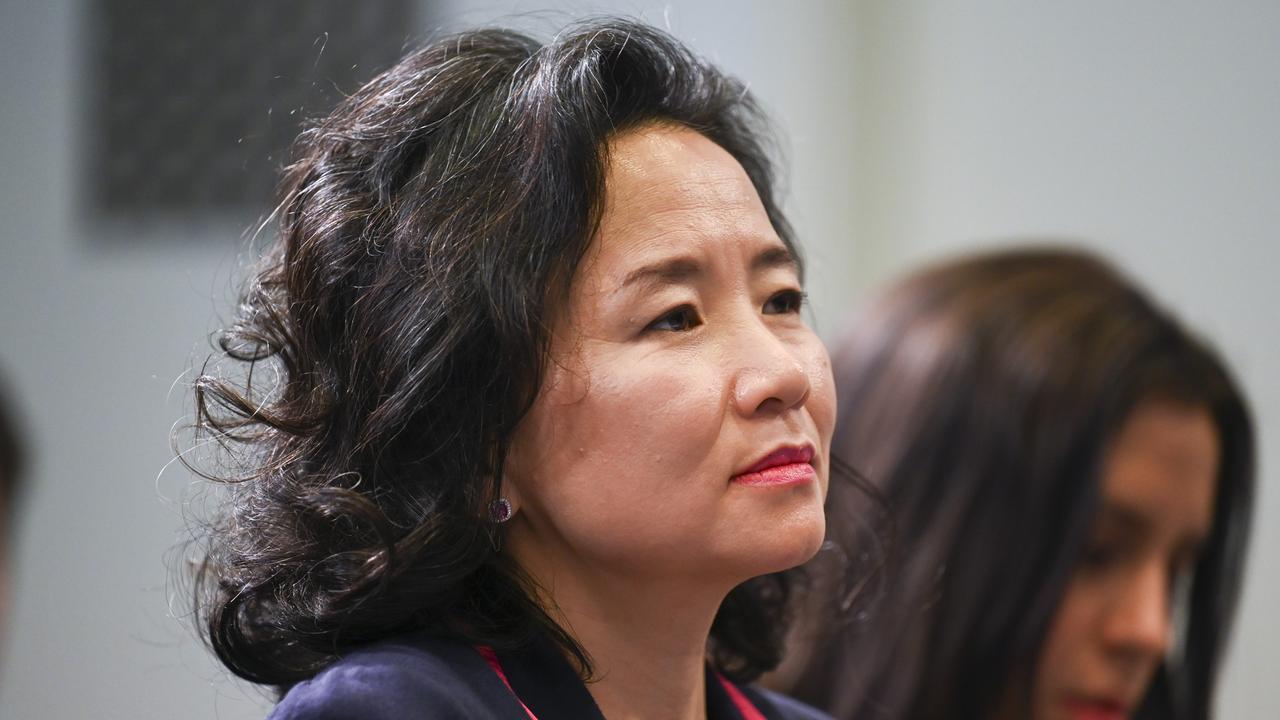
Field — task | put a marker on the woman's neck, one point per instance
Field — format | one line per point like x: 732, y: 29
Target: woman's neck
x: 646, y: 639
x: 648, y: 662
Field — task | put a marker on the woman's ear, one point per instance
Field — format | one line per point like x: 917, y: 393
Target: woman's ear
x: 505, y: 506
x: 512, y: 475
x: 507, y: 502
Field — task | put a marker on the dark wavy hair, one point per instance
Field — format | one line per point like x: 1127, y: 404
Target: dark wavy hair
x: 397, y: 332
x: 12, y: 460
x: 980, y: 395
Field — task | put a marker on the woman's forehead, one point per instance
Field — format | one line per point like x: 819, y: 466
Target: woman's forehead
x: 671, y: 190
x: 671, y: 169
x: 1162, y: 468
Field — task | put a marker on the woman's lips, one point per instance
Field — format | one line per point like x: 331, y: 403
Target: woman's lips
x: 1094, y: 709
x: 790, y: 465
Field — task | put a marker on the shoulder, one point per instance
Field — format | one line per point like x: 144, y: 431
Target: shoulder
x: 413, y: 678
x: 782, y: 707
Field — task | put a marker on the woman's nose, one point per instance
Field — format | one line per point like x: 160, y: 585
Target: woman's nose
x: 1139, y: 622
x: 770, y: 378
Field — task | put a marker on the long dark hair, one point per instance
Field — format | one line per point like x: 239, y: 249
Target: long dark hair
x: 980, y: 396
x: 396, y: 333
x: 12, y: 460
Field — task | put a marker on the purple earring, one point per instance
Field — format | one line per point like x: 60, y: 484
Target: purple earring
x: 500, y: 510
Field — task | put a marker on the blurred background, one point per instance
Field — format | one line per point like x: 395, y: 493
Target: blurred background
x: 138, y: 141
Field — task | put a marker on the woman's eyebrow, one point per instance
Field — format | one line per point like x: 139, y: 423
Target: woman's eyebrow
x: 1132, y: 520
x: 1123, y: 517
x: 774, y: 257
x: 670, y: 271
x: 682, y: 269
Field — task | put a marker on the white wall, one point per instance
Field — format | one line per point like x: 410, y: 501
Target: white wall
x: 91, y: 339
x: 1147, y: 128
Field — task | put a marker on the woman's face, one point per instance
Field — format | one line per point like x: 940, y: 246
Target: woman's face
x: 1114, y: 625
x: 684, y: 426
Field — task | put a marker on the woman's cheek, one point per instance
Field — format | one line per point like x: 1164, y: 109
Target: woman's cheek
x: 822, y: 391
x: 662, y: 415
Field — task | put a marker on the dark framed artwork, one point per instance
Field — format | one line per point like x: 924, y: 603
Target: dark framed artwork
x: 190, y: 107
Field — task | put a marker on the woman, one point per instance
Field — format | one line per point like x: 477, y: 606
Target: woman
x: 1069, y: 472
x: 540, y: 424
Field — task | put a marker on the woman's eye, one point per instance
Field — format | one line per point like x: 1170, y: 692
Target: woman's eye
x: 1183, y: 568
x: 785, y: 302
x: 1097, y: 557
x: 679, y: 320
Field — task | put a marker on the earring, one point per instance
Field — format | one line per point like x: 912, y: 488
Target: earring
x: 500, y: 510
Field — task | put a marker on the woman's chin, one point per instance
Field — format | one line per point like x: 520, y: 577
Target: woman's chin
x: 780, y: 546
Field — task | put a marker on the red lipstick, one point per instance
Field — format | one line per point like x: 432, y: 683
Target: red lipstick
x: 788, y: 465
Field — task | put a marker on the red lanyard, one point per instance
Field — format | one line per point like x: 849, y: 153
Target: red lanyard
x: 492, y: 658
x: 740, y: 701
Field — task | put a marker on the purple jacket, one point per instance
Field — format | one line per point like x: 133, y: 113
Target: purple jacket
x: 419, y: 677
